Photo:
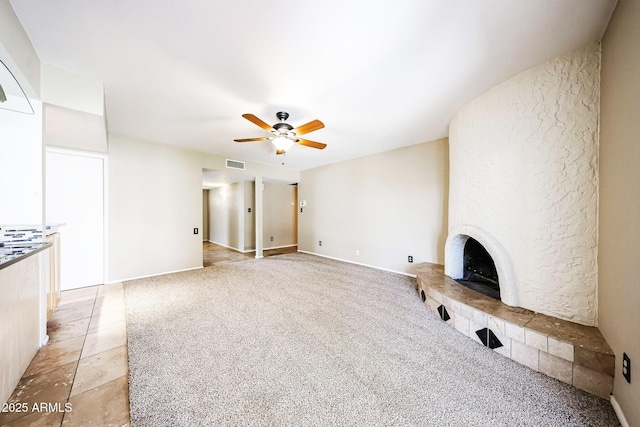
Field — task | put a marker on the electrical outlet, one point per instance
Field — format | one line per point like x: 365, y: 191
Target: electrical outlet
x: 249, y: 210
x: 410, y: 258
x: 626, y: 367
x: 195, y: 231
x: 319, y: 242
x: 272, y: 238
x: 300, y: 210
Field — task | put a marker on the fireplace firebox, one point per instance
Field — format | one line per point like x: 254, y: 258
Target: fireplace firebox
x: 479, y: 270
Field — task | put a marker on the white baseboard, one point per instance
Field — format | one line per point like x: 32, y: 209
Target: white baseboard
x: 618, y: 411
x: 152, y: 275
x: 279, y: 247
x: 251, y: 250
x: 359, y: 263
x: 230, y: 247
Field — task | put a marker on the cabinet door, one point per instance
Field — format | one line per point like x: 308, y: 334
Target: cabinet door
x: 53, y: 292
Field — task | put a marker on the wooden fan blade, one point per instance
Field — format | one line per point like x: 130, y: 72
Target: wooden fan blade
x: 253, y: 119
x: 313, y: 144
x: 279, y: 151
x: 309, y: 127
x: 250, y: 139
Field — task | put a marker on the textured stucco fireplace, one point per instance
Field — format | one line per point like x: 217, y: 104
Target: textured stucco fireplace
x: 524, y: 183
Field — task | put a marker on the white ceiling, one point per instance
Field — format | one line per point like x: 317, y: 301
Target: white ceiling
x: 380, y: 74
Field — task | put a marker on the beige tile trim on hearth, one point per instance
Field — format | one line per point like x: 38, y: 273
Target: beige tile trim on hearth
x: 574, y: 354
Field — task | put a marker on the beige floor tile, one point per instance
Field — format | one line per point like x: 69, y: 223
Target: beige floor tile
x: 63, y: 331
x: 104, y: 339
x: 106, y: 320
x: 99, y: 369
x: 56, y: 354
x: 112, y: 287
x: 109, y: 304
x: 71, y: 313
x: 48, y: 387
x: 78, y: 296
x: 39, y: 419
x: 106, y: 405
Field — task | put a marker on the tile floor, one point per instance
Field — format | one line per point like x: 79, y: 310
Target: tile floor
x: 216, y: 254
x: 84, y: 365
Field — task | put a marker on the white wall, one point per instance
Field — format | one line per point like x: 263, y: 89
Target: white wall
x: 77, y: 130
x: 155, y: 202
x: 21, y: 167
x: 17, y: 52
x: 619, y: 232
x: 386, y: 206
x: 69, y: 90
x: 524, y: 169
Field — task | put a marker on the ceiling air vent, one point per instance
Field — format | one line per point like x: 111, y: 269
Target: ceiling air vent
x: 235, y: 164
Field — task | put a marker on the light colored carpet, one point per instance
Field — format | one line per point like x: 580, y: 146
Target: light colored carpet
x: 307, y: 341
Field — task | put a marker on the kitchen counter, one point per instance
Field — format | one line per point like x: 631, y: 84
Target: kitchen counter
x: 17, y: 242
x: 11, y: 253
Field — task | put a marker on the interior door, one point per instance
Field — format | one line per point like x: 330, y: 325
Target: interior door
x: 75, y: 198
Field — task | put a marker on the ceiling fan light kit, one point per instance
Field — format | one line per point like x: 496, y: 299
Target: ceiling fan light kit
x: 282, y: 143
x: 284, y: 135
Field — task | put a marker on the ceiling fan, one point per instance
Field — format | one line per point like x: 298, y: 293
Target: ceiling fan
x: 284, y: 135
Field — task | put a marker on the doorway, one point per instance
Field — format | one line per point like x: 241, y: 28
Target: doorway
x: 229, y: 216
x: 75, y: 199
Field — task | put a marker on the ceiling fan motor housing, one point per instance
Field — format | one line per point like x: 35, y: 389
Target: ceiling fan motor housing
x: 285, y: 126
x: 282, y: 116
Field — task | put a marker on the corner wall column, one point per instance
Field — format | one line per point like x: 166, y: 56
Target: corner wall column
x: 258, y: 207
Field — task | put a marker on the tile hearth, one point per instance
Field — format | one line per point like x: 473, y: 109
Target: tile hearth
x: 575, y: 354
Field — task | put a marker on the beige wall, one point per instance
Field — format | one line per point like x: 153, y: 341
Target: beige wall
x: 232, y: 225
x: 619, y: 234
x: 280, y: 215
x: 155, y: 202
x: 249, y: 217
x: 205, y: 215
x: 226, y: 219
x: 386, y: 206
